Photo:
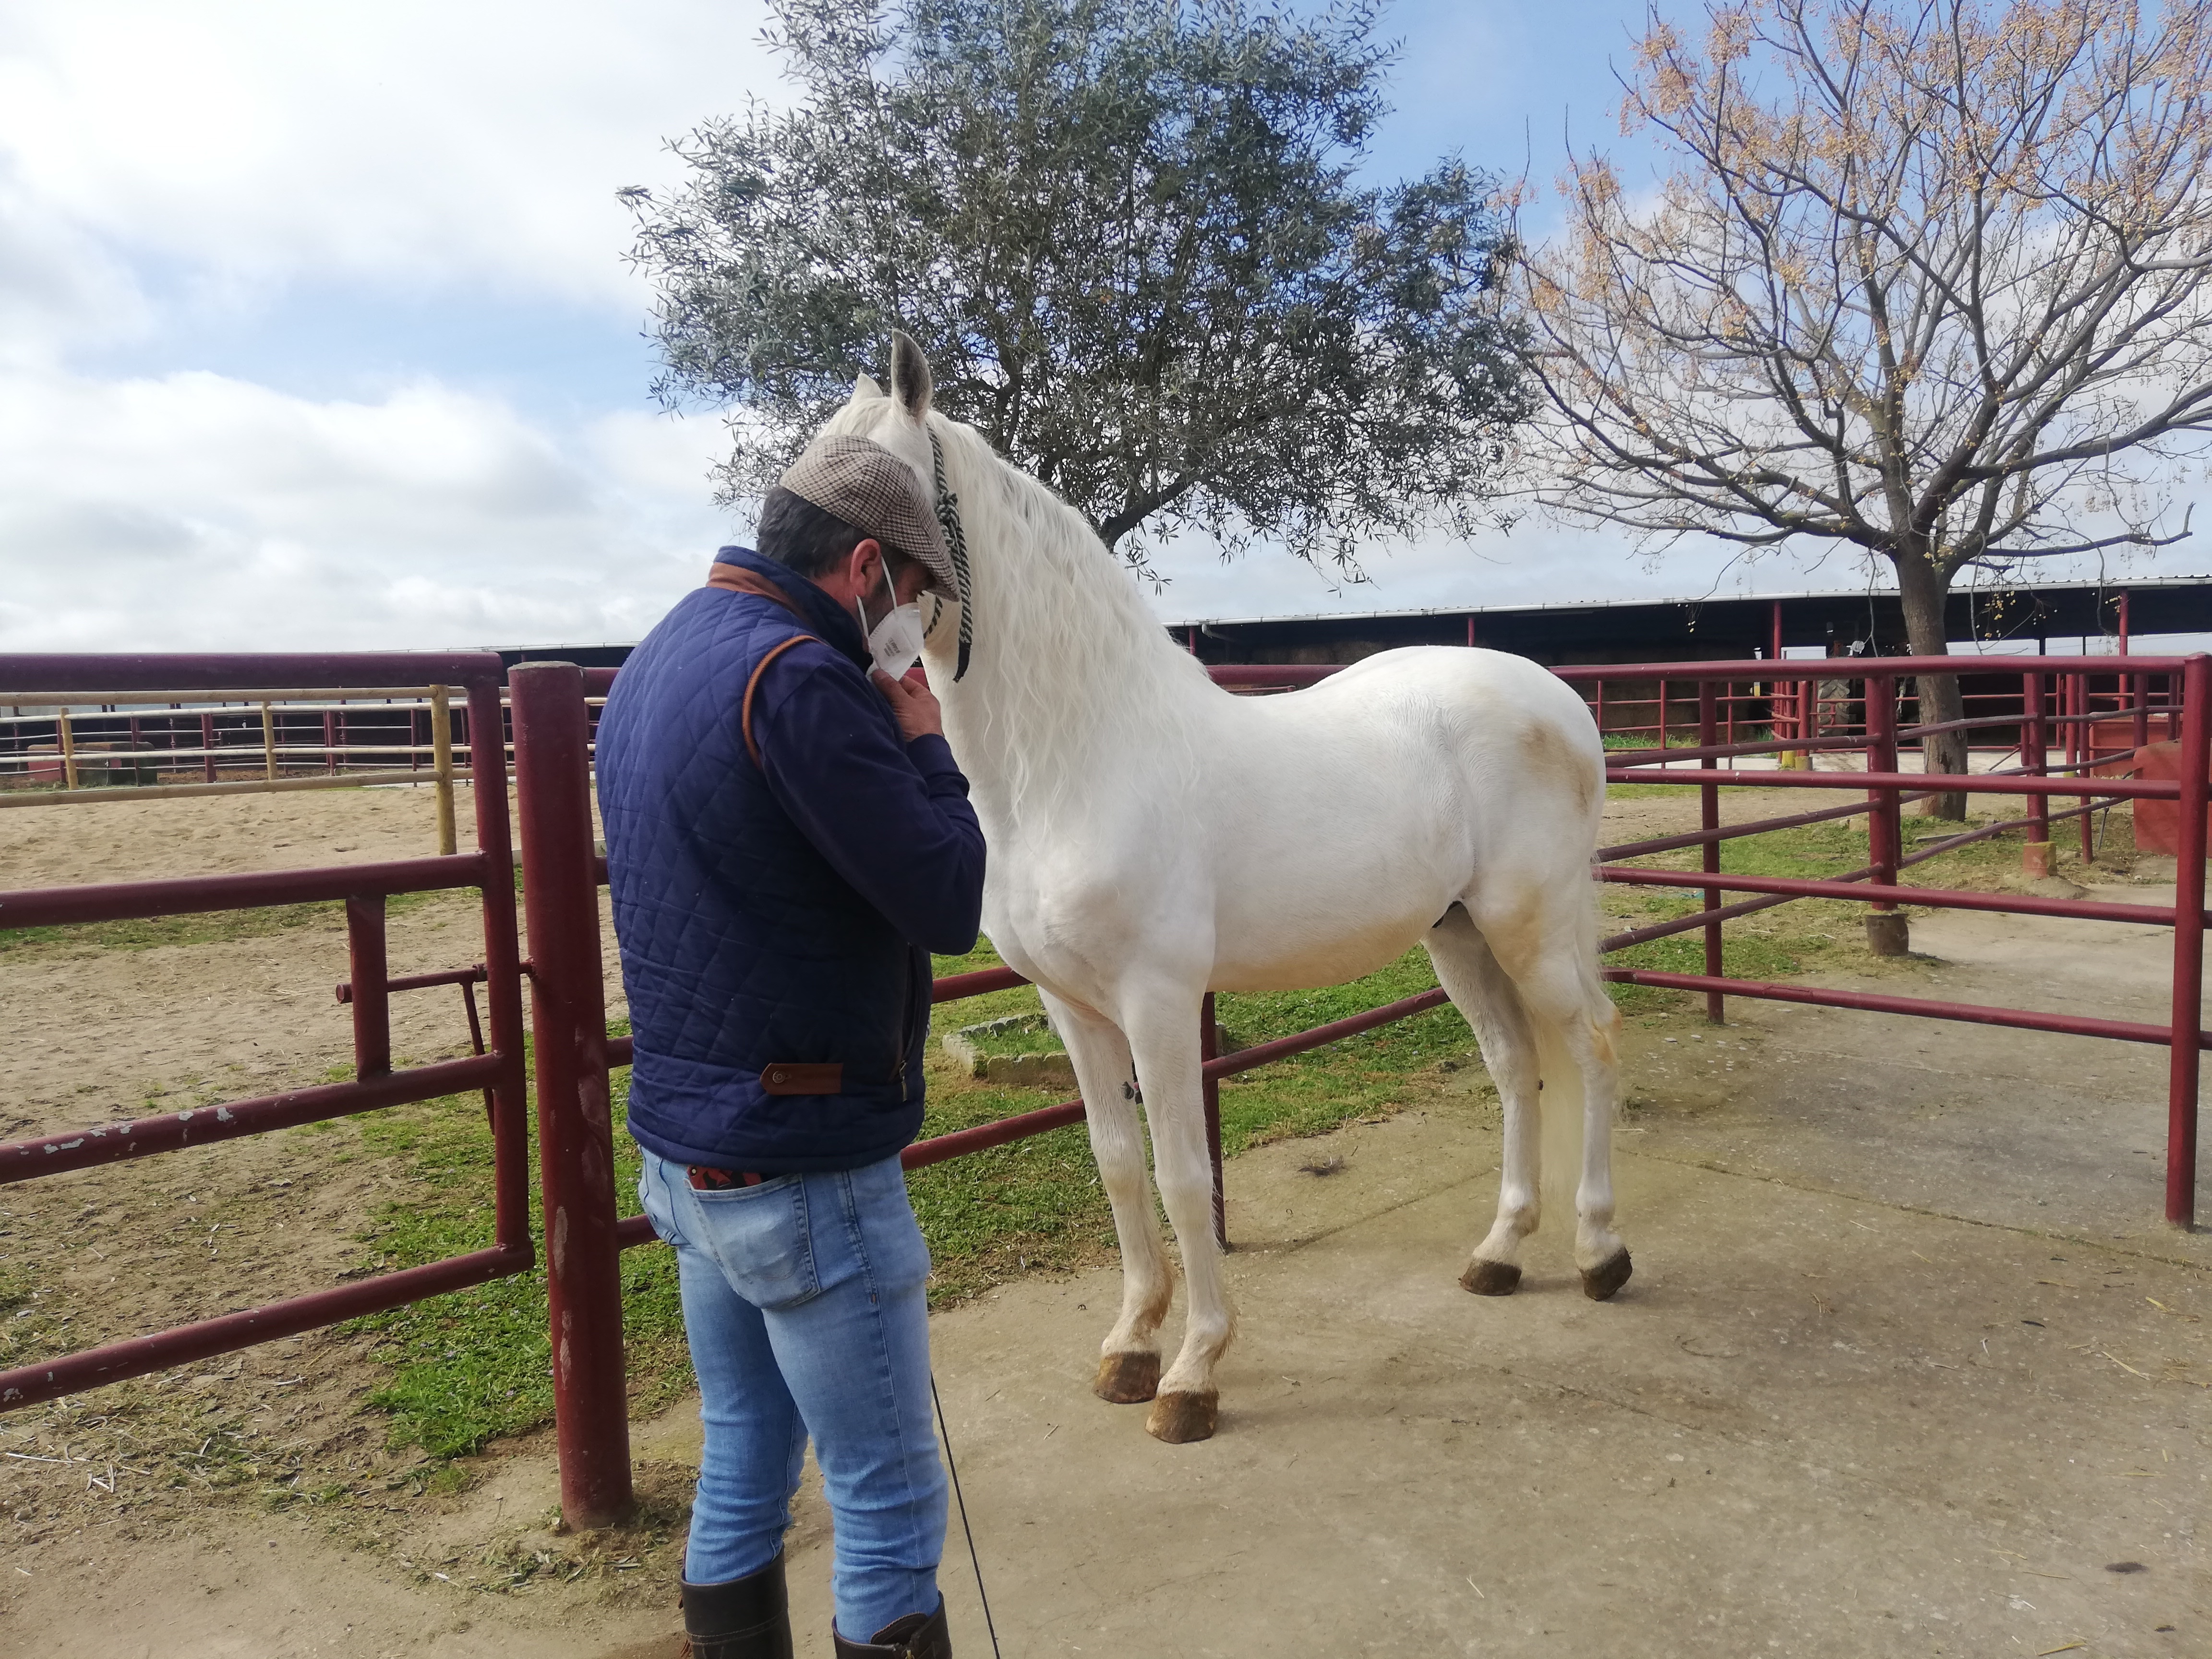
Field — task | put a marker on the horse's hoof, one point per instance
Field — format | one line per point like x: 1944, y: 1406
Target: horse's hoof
x: 1127, y: 1379
x: 1491, y: 1277
x: 1179, y: 1418
x: 1608, y: 1276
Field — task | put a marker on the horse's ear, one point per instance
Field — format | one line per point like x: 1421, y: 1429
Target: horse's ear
x: 909, y: 375
x: 864, y: 389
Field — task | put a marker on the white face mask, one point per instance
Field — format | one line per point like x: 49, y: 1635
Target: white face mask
x: 894, y: 641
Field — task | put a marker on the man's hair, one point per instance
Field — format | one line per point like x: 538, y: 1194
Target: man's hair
x: 799, y: 535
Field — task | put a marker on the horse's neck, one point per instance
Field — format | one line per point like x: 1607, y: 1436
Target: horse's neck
x: 1073, y: 682
x: 1039, y: 741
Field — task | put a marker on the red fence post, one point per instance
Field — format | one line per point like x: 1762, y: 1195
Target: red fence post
x: 2081, y: 756
x: 568, y: 1020
x: 1888, y: 932
x: 2188, y: 949
x: 366, y: 962
x: 510, y: 1100
x: 2035, y: 760
x: 1709, y: 803
x: 1209, y: 1048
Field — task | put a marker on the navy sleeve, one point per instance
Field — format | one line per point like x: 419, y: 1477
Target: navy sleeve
x: 891, y: 816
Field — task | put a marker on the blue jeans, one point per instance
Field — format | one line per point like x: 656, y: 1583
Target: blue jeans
x: 804, y: 1302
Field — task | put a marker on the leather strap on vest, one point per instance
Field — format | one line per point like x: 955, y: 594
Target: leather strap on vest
x: 736, y: 579
x: 753, y: 746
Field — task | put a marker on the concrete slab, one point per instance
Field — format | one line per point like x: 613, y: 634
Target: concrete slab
x: 2014, y: 1128
x: 1910, y: 1364
x: 1814, y: 1425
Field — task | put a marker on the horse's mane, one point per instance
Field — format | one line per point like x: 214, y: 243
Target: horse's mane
x: 1075, y: 660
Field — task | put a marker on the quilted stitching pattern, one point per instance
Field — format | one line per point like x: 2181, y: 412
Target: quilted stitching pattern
x: 743, y: 942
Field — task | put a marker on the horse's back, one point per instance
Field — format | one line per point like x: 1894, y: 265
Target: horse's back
x: 1489, y: 685
x: 1423, y: 719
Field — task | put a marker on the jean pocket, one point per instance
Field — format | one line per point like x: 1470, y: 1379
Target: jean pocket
x: 653, y: 1198
x: 888, y: 1239
x: 758, y: 1237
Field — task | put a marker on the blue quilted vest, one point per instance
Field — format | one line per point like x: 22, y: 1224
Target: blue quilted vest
x: 776, y: 916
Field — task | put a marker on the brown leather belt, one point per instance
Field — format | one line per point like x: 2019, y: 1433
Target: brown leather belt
x: 709, y: 1179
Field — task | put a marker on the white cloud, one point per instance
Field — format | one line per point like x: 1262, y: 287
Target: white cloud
x: 1540, y: 562
x: 192, y: 512
x: 424, y: 144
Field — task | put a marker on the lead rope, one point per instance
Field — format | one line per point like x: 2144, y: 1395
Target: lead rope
x: 945, y: 1431
x: 955, y: 543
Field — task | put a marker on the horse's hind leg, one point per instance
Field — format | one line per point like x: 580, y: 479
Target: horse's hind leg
x: 1554, y: 969
x: 1129, y: 1358
x: 1481, y: 990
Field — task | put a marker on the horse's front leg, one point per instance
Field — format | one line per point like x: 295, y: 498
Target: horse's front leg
x: 1129, y: 1358
x: 1165, y: 1034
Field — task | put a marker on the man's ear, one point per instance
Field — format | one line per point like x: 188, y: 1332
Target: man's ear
x: 853, y: 562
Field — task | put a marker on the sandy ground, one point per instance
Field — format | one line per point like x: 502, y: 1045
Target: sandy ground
x: 1908, y: 1364
x: 95, y: 1035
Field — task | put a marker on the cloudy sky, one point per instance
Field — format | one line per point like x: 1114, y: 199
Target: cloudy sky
x: 315, y: 329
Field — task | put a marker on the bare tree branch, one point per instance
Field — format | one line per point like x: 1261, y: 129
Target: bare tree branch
x: 1930, y: 278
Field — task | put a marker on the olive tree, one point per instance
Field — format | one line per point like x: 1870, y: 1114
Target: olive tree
x: 1927, y: 278
x: 1131, y: 236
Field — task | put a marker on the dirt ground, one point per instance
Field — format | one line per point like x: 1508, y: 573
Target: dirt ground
x: 94, y: 1035
x: 98, y: 1035
x: 1908, y: 1364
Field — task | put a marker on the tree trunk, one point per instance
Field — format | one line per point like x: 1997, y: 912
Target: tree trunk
x: 1924, y: 588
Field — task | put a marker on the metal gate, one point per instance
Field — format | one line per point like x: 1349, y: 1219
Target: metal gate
x: 363, y: 889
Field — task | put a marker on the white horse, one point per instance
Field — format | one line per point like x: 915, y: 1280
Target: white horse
x: 1153, y: 837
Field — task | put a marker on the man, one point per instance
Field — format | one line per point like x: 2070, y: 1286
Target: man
x: 789, y: 839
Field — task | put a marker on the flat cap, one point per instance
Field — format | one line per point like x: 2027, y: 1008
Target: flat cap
x: 871, y: 490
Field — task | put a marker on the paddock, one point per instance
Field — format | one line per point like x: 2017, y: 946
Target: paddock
x: 1825, y: 1248
x: 1422, y: 1471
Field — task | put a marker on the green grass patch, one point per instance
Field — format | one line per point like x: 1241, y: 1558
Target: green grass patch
x: 476, y: 1364
x: 1681, y: 734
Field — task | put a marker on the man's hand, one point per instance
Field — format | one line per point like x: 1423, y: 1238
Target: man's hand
x: 913, y: 705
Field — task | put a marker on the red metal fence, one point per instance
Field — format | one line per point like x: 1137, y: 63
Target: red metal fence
x: 363, y: 889
x: 574, y: 1053
x: 2111, y: 703
x: 2188, y: 681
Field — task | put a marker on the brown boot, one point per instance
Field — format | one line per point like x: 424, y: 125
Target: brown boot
x: 917, y: 1636
x: 746, y: 1618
